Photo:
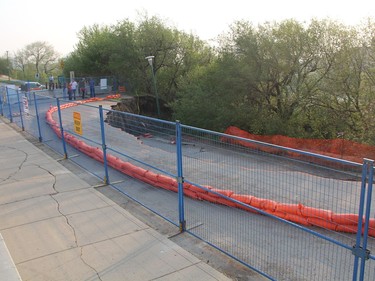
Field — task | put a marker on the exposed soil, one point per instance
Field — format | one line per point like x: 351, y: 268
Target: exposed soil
x: 143, y: 105
x: 140, y: 105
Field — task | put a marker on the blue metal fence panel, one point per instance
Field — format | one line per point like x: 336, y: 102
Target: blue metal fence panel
x: 149, y: 144
x: 218, y: 175
x: 282, y: 251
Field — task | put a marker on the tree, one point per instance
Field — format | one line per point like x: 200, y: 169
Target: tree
x: 175, y: 55
x: 93, y: 51
x: 38, y: 57
x: 263, y: 75
x: 120, y: 50
x: 43, y: 56
x: 21, y: 61
x: 286, y: 78
x: 303, y: 80
x: 4, y: 66
x: 341, y: 101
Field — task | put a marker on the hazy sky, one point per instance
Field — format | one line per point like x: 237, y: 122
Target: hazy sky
x: 57, y: 22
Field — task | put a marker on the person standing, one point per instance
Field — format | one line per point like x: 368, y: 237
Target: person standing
x: 64, y: 90
x: 70, y: 91
x: 82, y: 87
x: 74, y: 85
x: 51, y: 83
x: 92, y: 88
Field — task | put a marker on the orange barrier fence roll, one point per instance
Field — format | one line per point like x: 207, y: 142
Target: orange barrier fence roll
x: 337, y: 148
x: 296, y: 213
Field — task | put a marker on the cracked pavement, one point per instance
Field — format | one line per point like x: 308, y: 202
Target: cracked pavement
x: 58, y: 227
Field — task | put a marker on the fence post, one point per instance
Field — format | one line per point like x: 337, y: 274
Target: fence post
x: 10, y: 108
x: 370, y: 165
x: 19, y: 107
x: 61, y: 128
x: 104, y: 146
x: 357, y: 248
x: 1, y: 106
x: 180, y: 178
x: 37, y: 118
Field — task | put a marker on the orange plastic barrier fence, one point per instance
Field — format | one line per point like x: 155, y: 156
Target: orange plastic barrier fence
x: 296, y: 213
x: 337, y: 148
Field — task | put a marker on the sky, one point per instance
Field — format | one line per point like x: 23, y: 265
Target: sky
x: 23, y: 22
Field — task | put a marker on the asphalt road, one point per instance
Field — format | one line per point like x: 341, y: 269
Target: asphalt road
x: 283, y: 251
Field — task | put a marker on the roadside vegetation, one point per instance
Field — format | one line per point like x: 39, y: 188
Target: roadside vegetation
x: 307, y: 80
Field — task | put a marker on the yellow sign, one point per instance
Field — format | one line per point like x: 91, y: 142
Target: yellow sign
x: 62, y: 64
x: 77, y: 123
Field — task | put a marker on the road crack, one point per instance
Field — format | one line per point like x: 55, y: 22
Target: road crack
x: 2, y: 147
x: 56, y: 192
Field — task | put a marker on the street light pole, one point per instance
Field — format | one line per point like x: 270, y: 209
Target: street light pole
x: 8, y: 66
x: 150, y: 61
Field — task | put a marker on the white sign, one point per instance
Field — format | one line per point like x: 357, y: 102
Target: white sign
x: 71, y: 75
x: 103, y: 84
x: 25, y: 104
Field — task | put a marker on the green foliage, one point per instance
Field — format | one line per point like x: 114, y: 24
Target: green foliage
x: 37, y: 57
x: 285, y: 78
x: 120, y: 51
x: 303, y: 80
x: 4, y: 66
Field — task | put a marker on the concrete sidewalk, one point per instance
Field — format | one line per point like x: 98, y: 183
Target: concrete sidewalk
x: 58, y: 227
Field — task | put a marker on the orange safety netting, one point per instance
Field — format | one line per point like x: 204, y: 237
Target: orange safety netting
x: 337, y: 148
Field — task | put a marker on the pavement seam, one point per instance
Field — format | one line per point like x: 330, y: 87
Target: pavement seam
x: 29, y: 223
x: 131, y: 218
x: 47, y: 195
x: 52, y: 217
x: 24, y: 199
x: 114, y: 237
x: 81, y: 246
x: 177, y: 270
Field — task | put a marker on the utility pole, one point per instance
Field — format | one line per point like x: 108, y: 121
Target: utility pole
x: 150, y: 61
x: 8, y: 66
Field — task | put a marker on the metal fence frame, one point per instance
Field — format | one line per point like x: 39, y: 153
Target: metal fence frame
x: 361, y: 256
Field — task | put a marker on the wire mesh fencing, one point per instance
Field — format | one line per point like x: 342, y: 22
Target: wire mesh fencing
x: 292, y: 228
x: 288, y: 214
